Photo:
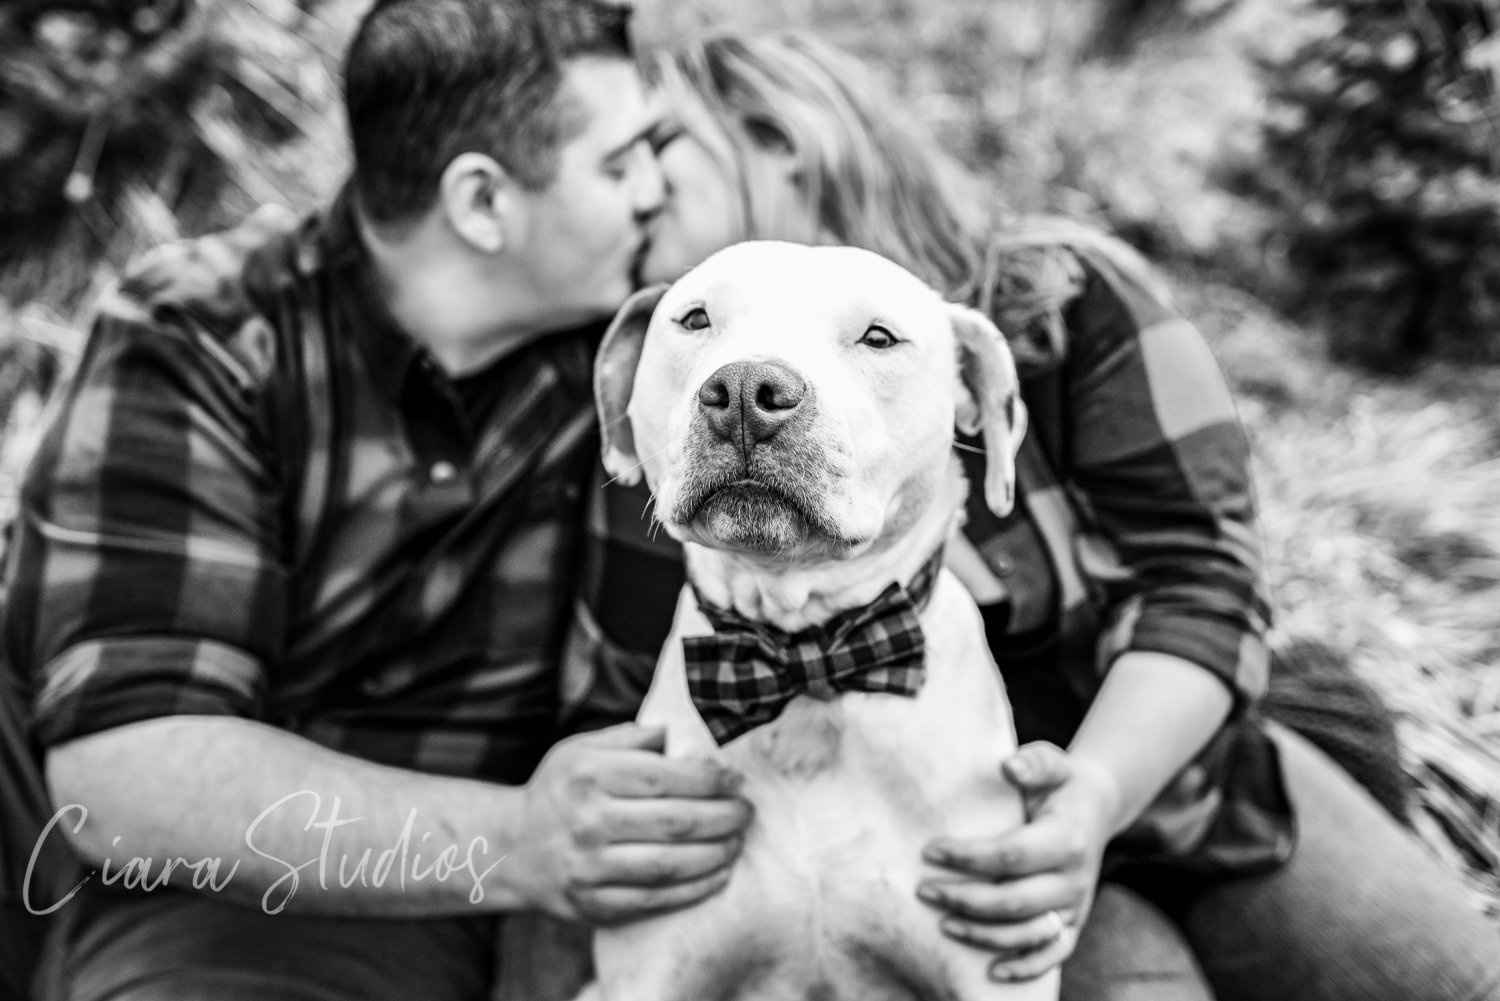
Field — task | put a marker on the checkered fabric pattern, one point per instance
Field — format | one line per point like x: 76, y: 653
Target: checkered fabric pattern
x: 157, y: 567
x: 1134, y: 529
x: 743, y: 675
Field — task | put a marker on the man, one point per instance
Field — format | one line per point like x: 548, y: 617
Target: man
x: 293, y: 563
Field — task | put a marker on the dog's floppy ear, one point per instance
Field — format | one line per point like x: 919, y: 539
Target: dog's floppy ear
x: 989, y: 401
x: 614, y: 378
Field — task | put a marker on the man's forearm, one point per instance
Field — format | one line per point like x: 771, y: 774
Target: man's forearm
x: 290, y: 823
x: 1154, y: 713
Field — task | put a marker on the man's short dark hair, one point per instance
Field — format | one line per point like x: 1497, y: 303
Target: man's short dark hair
x: 427, y: 80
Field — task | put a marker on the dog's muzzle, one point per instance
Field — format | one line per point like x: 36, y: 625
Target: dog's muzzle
x: 749, y: 402
x: 757, y: 472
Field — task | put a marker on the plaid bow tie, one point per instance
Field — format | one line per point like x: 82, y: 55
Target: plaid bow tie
x: 744, y: 674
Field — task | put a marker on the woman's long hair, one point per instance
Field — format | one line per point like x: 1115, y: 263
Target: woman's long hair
x: 876, y: 180
x: 873, y: 179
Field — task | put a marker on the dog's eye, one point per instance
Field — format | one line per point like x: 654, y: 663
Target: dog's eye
x: 695, y: 319
x: 878, y: 337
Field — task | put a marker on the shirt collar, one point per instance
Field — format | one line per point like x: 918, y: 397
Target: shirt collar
x: 389, y: 351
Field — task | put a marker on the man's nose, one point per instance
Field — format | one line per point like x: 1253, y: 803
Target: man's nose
x: 750, y: 401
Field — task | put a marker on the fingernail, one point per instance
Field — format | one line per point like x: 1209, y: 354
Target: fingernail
x: 1001, y: 973
x: 733, y: 781
x: 1021, y: 768
x: 930, y: 893
x: 951, y: 926
x: 937, y: 855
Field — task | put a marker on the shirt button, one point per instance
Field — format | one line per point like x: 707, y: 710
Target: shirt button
x: 442, y: 472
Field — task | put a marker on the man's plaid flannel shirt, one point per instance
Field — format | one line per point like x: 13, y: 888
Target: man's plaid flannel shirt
x: 157, y: 567
x: 1134, y: 530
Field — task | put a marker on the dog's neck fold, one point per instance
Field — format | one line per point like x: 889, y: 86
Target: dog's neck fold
x: 795, y: 597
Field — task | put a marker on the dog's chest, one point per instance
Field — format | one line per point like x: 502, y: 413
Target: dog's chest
x: 846, y: 793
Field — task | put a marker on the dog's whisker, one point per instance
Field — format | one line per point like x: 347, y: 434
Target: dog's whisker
x: 659, y: 451
x: 637, y: 465
x: 649, y: 511
x: 650, y: 500
x: 968, y: 448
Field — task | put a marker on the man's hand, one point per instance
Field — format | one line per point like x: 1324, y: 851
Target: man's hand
x: 1025, y: 893
x: 614, y: 830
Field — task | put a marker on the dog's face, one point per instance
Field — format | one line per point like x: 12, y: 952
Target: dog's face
x: 799, y: 402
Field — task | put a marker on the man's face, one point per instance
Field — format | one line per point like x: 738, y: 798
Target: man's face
x: 585, y: 232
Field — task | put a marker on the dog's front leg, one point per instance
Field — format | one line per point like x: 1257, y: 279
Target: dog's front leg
x: 669, y: 957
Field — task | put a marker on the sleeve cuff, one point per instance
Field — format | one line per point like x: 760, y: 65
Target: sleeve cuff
x: 1237, y: 656
x: 100, y: 684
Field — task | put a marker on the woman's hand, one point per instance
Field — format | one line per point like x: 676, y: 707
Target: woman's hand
x: 1024, y: 894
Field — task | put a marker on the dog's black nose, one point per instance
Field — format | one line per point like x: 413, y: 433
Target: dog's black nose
x: 751, y: 399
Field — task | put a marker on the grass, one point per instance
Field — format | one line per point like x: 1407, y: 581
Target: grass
x: 1378, y: 497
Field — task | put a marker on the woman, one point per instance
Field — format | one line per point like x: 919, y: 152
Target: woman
x: 1123, y: 599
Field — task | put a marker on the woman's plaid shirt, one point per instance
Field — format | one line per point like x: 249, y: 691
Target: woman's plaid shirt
x: 160, y: 565
x: 1134, y: 530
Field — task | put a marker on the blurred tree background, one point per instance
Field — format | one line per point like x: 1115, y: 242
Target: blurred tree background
x: 1318, y: 178
x: 1382, y: 160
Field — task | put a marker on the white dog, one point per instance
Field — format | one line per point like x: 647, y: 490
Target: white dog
x: 792, y: 409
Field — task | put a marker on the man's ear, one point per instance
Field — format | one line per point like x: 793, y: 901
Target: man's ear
x: 614, y: 379
x: 476, y: 195
x: 989, y: 401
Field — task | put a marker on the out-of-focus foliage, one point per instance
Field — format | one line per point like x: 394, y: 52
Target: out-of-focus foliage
x: 126, y: 124
x: 1382, y: 162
